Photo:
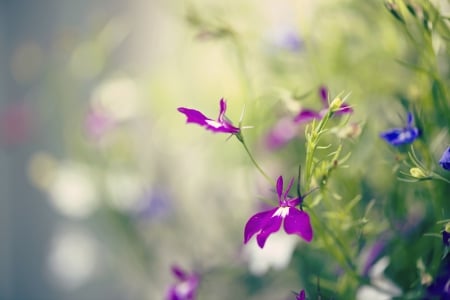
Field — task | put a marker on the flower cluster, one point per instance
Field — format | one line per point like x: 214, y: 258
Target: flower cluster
x: 289, y: 211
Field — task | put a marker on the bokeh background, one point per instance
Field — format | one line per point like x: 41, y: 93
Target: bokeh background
x: 104, y: 187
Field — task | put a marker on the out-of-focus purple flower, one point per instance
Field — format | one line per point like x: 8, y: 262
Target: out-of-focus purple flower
x: 372, y: 253
x: 307, y: 115
x: 186, y: 286
x: 283, y: 131
x: 445, y: 159
x: 301, y: 295
x: 296, y: 221
x: 286, y: 128
x: 402, y: 136
x: 221, y: 125
x: 98, y: 123
x: 446, y: 238
x: 16, y: 124
x: 153, y: 204
x: 441, y: 285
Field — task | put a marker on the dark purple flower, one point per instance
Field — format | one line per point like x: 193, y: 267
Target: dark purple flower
x: 402, y: 136
x: 445, y: 159
x: 301, y: 295
x: 307, y: 115
x: 446, y: 238
x: 296, y: 221
x: 185, y: 288
x: 221, y: 125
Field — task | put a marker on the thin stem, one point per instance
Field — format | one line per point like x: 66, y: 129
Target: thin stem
x: 348, y: 261
x: 437, y: 176
x: 240, y: 137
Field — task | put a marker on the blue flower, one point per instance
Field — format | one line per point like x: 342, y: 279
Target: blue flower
x: 402, y: 136
x: 445, y: 159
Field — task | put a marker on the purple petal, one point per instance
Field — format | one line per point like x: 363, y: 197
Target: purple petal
x: 344, y: 109
x: 179, y: 273
x: 223, y: 109
x: 307, y: 115
x: 297, y: 222
x: 301, y: 295
x: 446, y: 238
x: 273, y: 225
x: 445, y: 159
x: 323, y: 93
x: 256, y: 223
x: 194, y: 116
x: 410, y: 119
x: 400, y: 136
x: 283, y: 131
x: 280, y: 187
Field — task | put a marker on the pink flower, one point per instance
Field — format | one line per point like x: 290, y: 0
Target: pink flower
x: 185, y: 288
x: 301, y: 295
x: 296, y: 221
x: 307, y: 115
x: 286, y: 128
x: 221, y: 125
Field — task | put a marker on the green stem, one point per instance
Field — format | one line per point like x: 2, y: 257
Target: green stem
x: 349, y: 266
x: 240, y: 137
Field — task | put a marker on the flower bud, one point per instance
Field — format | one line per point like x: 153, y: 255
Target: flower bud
x: 336, y: 104
x: 417, y: 173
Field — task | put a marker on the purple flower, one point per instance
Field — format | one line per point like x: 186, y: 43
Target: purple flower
x: 221, y: 125
x: 301, y: 295
x: 185, y: 288
x: 98, y: 123
x: 446, y: 238
x: 286, y: 128
x: 445, y: 159
x: 402, y: 136
x: 307, y: 115
x: 296, y: 221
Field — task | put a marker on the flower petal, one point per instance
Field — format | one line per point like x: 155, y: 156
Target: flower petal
x: 256, y: 223
x: 283, y: 131
x: 410, y: 119
x: 298, y: 222
x: 323, y: 93
x: 400, y: 136
x: 307, y: 115
x: 280, y: 187
x: 301, y: 295
x: 179, y: 273
x: 223, y: 109
x: 194, y: 116
x: 344, y: 109
x: 271, y: 226
x: 445, y: 159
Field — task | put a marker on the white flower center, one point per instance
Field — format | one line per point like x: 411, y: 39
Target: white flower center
x: 214, y: 124
x: 182, y: 289
x: 281, y: 212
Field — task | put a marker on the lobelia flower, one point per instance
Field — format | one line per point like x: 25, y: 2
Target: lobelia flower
x: 402, y: 136
x: 221, y: 125
x: 286, y: 128
x: 446, y: 235
x: 307, y: 115
x: 301, y: 295
x: 296, y: 221
x: 185, y: 288
x: 445, y: 159
x: 446, y: 238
